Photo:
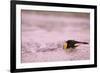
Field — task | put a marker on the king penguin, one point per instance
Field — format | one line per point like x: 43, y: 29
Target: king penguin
x: 72, y: 44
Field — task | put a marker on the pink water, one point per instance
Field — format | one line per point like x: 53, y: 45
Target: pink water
x: 43, y: 35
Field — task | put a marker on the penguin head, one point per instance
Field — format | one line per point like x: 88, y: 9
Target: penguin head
x: 72, y: 44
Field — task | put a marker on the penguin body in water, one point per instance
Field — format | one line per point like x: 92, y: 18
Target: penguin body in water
x: 72, y: 44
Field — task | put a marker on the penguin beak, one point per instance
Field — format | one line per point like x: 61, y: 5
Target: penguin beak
x: 82, y: 42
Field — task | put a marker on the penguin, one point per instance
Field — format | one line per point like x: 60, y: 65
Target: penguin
x: 72, y: 44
